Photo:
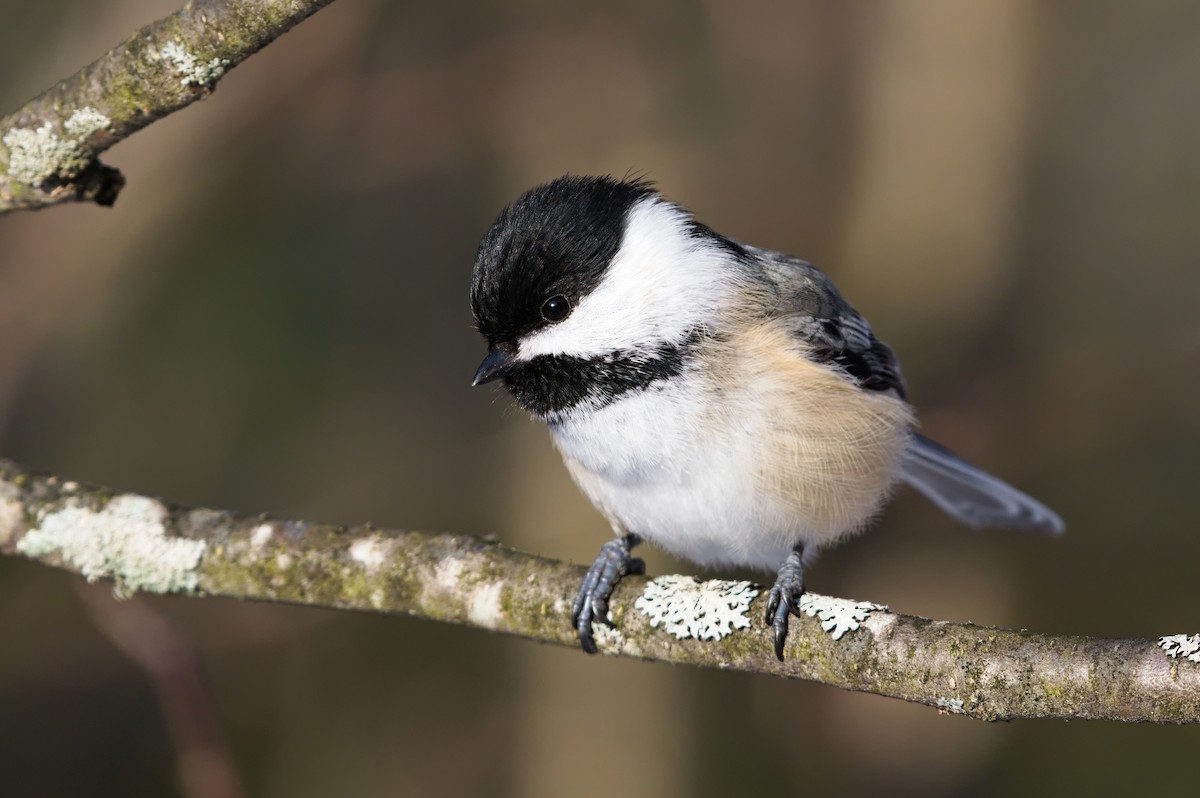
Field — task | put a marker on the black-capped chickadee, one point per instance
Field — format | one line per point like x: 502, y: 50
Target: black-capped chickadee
x: 719, y: 400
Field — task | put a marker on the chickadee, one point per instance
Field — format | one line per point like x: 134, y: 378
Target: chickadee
x: 719, y: 400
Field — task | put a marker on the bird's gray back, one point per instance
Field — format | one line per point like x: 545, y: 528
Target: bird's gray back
x: 837, y: 333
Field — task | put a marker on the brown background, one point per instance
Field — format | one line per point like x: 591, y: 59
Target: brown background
x: 274, y: 318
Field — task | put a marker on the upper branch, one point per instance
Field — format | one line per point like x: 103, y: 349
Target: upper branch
x: 145, y: 544
x: 49, y: 147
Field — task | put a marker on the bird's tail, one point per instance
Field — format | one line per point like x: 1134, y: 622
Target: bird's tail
x: 972, y: 496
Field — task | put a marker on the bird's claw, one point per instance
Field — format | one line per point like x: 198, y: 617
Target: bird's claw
x: 784, y: 598
x: 591, y: 602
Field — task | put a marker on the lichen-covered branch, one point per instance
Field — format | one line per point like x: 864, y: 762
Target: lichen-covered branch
x: 49, y: 147
x: 143, y: 544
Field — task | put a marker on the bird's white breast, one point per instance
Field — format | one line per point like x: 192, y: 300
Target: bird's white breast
x: 652, y: 463
x: 738, y: 467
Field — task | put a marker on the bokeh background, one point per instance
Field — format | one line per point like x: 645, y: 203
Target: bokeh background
x: 274, y: 318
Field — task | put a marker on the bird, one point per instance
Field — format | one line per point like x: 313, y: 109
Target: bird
x: 719, y: 400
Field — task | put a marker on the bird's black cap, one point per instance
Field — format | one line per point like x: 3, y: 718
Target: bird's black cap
x: 558, y: 238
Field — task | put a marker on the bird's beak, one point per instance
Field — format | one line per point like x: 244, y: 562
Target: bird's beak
x: 494, y: 365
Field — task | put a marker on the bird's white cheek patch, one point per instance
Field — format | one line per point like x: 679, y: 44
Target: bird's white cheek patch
x: 662, y: 282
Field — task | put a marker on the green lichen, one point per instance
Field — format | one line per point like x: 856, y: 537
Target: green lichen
x: 128, y: 98
x: 527, y: 611
x: 246, y: 24
x: 317, y: 569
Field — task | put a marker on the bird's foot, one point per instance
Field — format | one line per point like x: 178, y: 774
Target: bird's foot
x: 785, y: 597
x: 591, y: 603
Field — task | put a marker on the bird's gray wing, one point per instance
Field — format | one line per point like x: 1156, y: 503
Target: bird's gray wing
x: 835, y: 331
x: 839, y: 336
x: 970, y: 494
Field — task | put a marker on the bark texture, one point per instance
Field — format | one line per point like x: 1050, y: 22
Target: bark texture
x: 49, y: 147
x: 143, y: 544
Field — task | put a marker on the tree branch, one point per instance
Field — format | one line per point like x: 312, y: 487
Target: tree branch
x: 143, y: 544
x: 49, y: 148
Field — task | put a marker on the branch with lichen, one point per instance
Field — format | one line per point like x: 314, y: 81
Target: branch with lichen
x: 146, y: 545
x: 49, y: 148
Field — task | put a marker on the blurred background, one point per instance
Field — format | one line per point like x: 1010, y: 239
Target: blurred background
x: 274, y: 318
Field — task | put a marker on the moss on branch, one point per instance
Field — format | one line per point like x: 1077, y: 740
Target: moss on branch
x: 144, y: 544
x: 49, y: 147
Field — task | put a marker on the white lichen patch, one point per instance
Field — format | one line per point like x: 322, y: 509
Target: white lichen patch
x: 36, y: 155
x: 608, y: 638
x: 84, y: 122
x: 878, y: 623
x: 485, y: 609
x: 952, y: 705
x: 1181, y: 646
x: 191, y: 70
x: 126, y: 542
x: 837, y: 616
x: 261, y: 536
x: 686, y: 607
x: 371, y: 553
x: 447, y: 574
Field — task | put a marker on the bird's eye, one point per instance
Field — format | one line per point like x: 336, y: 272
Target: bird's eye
x: 556, y: 308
